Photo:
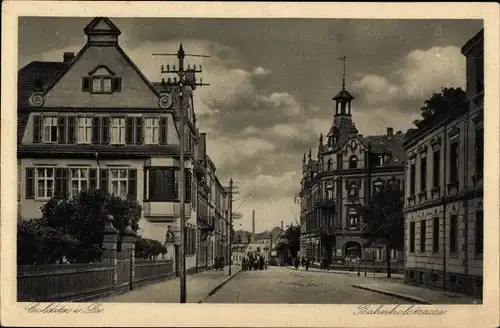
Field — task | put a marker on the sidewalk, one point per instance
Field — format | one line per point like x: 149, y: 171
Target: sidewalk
x: 417, y: 294
x: 198, y: 286
x: 361, y: 273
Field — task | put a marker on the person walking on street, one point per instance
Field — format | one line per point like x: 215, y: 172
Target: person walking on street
x: 297, y: 263
x: 307, y: 263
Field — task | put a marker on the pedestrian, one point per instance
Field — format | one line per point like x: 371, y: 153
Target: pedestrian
x: 297, y: 263
x: 216, y: 264
x: 303, y: 261
x: 307, y: 263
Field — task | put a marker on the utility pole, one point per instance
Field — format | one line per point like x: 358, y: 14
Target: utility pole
x: 181, y: 73
x: 231, y: 190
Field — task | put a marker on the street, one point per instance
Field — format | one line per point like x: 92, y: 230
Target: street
x: 285, y: 285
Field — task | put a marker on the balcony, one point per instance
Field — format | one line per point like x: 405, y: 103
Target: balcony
x: 199, y: 170
x: 327, y: 204
x: 164, y: 211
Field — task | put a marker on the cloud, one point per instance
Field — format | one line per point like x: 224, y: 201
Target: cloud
x: 422, y: 73
x: 260, y: 71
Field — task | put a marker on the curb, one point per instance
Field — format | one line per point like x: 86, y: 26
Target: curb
x: 398, y: 295
x: 219, y: 286
x: 344, y: 272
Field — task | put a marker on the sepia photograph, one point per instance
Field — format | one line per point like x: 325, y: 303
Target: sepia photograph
x: 235, y: 160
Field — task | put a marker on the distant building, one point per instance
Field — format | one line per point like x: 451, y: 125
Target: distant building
x: 444, y: 236
x: 346, y: 171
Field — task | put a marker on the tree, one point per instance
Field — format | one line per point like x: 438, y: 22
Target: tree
x: 384, y: 220
x: 83, y: 218
x: 448, y: 99
x: 290, y: 240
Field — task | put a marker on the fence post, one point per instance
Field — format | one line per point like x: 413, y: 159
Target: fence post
x: 128, y: 239
x: 109, y: 246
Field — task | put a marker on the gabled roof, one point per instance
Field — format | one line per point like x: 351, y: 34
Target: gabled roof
x: 381, y: 144
x: 96, y: 26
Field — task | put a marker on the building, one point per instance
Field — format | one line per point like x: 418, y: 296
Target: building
x: 94, y: 121
x: 444, y: 190
x: 347, y: 169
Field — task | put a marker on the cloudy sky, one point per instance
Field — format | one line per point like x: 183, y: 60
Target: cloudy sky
x: 272, y: 81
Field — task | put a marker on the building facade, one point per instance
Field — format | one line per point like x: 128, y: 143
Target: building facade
x: 94, y: 121
x: 444, y: 191
x: 348, y: 168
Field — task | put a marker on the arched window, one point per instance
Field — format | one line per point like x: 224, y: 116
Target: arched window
x: 330, y: 165
x: 377, y: 187
x: 353, y: 162
x: 353, y: 190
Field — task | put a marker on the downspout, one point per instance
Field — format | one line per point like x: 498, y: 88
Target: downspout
x: 466, y: 185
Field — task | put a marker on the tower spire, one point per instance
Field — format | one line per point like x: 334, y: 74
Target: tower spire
x: 343, y: 59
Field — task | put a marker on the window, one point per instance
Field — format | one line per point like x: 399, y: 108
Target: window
x: 118, y: 130
x: 84, y: 130
x: 50, y: 129
x: 353, y: 190
x: 377, y: 187
x: 45, y: 183
x: 435, y: 235
x: 329, y: 192
x: 479, y: 151
x: 152, y: 126
x: 118, y: 178
x: 436, y: 167
x: 101, y: 85
x: 353, y: 162
x: 454, y: 162
x: 423, y: 174
x: 134, y: 131
x: 422, y: 235
x: 412, y: 237
x: 330, y: 165
x: 453, y: 233
x: 353, y: 219
x: 412, y: 179
x: 381, y: 160
x: 162, y: 185
x: 479, y: 233
x: 79, y: 181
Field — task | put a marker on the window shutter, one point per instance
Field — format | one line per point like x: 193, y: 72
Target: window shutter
x: 163, y: 131
x: 173, y: 183
x: 92, y: 179
x: 71, y: 129
x: 95, y: 130
x: 187, y: 174
x: 85, y: 84
x: 130, y: 131
x: 61, y: 125
x: 59, y: 183
x: 138, y: 131
x: 37, y: 128
x: 132, y: 183
x: 30, y: 183
x: 103, y: 180
x: 117, y: 84
x: 144, y: 185
x: 105, y: 130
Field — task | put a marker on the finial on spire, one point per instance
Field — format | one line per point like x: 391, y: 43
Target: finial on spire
x: 310, y: 153
x: 304, y: 158
x: 343, y: 58
x: 321, y: 138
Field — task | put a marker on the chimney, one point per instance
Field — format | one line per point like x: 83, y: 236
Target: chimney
x: 281, y: 225
x: 68, y: 57
x: 390, y: 132
x: 253, y: 224
x: 360, y: 135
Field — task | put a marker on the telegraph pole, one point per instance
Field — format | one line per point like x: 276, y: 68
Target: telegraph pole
x: 231, y: 190
x: 181, y: 73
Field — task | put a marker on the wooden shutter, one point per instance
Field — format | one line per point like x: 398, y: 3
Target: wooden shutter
x: 30, y: 183
x: 144, y: 185
x: 92, y: 179
x: 61, y: 125
x: 130, y: 131
x: 71, y: 129
x: 103, y: 180
x: 105, y: 130
x: 163, y: 131
x: 37, y: 128
x: 86, y: 84
x: 132, y: 183
x: 117, y: 84
x: 95, y: 130
x: 188, y: 185
x: 138, y: 131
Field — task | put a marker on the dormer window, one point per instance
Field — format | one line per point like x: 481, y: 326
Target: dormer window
x: 101, y: 80
x: 38, y: 85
